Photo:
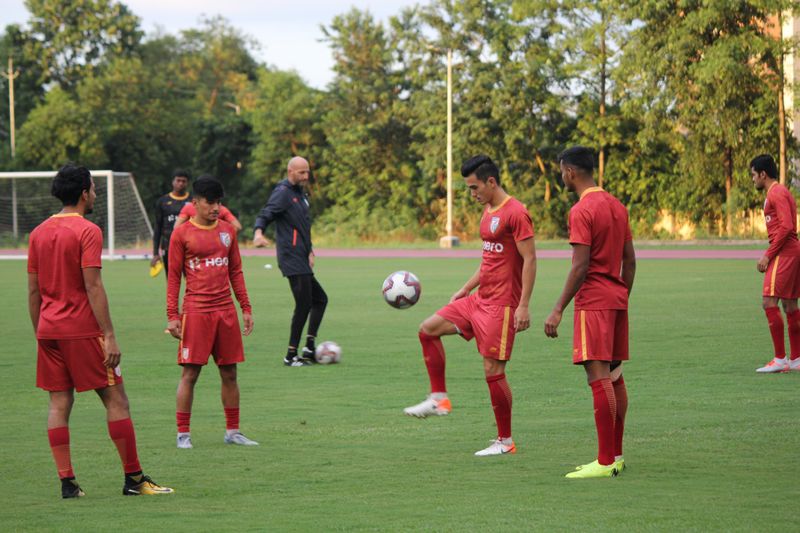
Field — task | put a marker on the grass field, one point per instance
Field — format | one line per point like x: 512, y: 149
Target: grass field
x: 710, y: 444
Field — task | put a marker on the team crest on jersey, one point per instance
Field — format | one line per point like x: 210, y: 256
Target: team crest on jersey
x: 225, y: 237
x: 493, y: 225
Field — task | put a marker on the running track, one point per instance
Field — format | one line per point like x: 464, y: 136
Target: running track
x: 457, y: 253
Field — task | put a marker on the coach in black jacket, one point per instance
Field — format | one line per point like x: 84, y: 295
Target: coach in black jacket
x: 288, y: 207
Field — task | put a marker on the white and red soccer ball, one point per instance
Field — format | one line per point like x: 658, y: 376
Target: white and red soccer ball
x: 328, y: 353
x: 401, y: 289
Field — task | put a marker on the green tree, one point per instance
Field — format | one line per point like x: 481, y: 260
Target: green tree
x: 71, y: 38
x: 367, y: 157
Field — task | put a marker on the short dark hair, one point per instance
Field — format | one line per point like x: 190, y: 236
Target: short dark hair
x: 482, y: 166
x: 578, y: 156
x: 69, y: 183
x: 208, y: 187
x: 180, y: 173
x: 765, y: 163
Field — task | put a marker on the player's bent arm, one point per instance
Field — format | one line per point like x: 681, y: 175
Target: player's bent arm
x: 785, y: 215
x: 527, y: 249
x: 178, y: 221
x: 467, y: 288
x: 580, y: 267
x: 34, y: 299
x: 235, y: 223
x: 98, y: 300
x: 628, y: 265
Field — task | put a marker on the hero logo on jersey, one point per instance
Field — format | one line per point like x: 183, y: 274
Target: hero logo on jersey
x: 489, y: 246
x: 225, y: 237
x: 494, y: 224
x: 194, y: 263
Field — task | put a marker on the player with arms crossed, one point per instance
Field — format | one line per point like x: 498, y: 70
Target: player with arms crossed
x: 496, y: 311
x: 167, y: 209
x: 780, y: 264
x: 600, y: 280
x: 206, y: 251
x: 77, y: 348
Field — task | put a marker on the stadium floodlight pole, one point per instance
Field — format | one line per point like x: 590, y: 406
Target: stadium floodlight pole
x: 10, y: 76
x: 110, y: 212
x: 449, y: 240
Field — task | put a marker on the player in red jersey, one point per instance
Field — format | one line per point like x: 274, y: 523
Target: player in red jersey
x: 780, y: 264
x: 600, y: 280
x: 206, y: 251
x: 77, y: 347
x: 188, y: 211
x: 496, y: 311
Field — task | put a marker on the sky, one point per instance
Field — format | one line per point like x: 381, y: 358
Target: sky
x: 287, y: 30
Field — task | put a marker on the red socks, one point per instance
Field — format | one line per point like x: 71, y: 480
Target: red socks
x: 776, y: 330
x: 59, y: 445
x: 621, y: 396
x: 121, y: 432
x: 500, y: 394
x: 231, y: 417
x: 183, y: 420
x: 793, y: 320
x: 605, y: 414
x: 433, y: 351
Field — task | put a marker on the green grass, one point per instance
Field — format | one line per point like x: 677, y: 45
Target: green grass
x: 710, y: 444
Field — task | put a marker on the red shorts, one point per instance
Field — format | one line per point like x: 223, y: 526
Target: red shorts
x: 214, y: 333
x: 74, y: 364
x: 782, y: 278
x: 491, y: 325
x: 600, y: 335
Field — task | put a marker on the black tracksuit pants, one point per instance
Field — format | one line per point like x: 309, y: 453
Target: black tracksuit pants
x: 310, y: 301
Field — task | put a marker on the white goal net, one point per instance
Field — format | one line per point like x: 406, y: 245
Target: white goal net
x: 25, y: 201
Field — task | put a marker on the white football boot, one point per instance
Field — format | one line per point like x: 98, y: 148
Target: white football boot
x: 774, y: 366
x: 498, y: 447
x: 239, y: 439
x: 430, y: 407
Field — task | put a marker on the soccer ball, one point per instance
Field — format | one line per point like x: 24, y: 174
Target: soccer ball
x: 328, y: 353
x: 401, y: 289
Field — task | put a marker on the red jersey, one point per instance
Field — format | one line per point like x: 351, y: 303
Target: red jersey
x: 58, y: 251
x: 188, y: 211
x: 501, y: 265
x: 209, y: 258
x: 780, y: 213
x: 600, y: 221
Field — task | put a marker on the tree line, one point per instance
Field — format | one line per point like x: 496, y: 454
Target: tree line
x: 675, y: 96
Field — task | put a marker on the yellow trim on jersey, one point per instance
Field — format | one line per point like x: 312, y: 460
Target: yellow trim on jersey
x: 584, y: 355
x: 504, y: 335
x: 590, y: 190
x: 109, y: 371
x: 774, y: 275
x: 504, y: 202
x: 184, y: 197
x: 200, y: 226
x: 61, y: 215
x: 771, y: 186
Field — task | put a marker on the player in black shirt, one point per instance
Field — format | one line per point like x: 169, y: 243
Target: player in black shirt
x: 167, y: 209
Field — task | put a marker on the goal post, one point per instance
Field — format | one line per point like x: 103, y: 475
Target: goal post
x: 25, y: 201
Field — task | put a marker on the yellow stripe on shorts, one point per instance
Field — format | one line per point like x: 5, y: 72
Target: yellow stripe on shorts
x: 504, y: 335
x: 774, y: 275
x: 584, y: 355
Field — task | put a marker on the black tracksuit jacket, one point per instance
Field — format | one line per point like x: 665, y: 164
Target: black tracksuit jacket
x: 288, y: 207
